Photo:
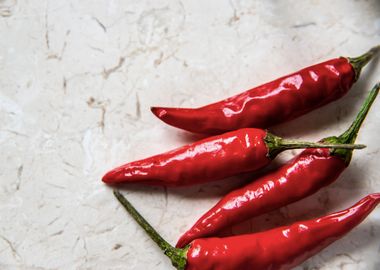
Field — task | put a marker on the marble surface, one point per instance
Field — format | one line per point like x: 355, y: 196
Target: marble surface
x: 77, y: 79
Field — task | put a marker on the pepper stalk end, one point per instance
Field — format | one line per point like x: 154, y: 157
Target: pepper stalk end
x: 360, y: 61
x: 277, y: 144
x: 176, y: 255
x: 350, y: 135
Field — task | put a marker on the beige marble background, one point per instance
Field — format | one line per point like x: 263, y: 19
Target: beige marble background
x: 77, y: 79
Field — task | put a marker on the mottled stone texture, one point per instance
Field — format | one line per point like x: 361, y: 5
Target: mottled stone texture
x: 77, y: 79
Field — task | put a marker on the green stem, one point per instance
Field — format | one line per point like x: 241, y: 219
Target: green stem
x: 176, y: 255
x: 350, y: 135
x: 277, y: 144
x: 359, y: 62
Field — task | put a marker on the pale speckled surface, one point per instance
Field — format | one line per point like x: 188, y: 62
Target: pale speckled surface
x: 77, y: 79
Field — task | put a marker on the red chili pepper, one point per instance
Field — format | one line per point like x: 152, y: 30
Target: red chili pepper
x: 272, y: 103
x: 301, y: 177
x: 278, y: 249
x: 210, y: 159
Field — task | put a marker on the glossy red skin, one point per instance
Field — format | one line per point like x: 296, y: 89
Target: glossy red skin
x: 280, y: 248
x: 207, y: 160
x: 269, y: 104
x: 299, y: 178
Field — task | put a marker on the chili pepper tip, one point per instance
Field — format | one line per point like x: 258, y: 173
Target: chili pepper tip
x: 177, y: 117
x: 158, y: 111
x: 108, y: 179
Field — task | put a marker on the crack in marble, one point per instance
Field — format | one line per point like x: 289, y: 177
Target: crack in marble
x: 60, y: 56
x: 102, y: 105
x: 55, y: 185
x: 353, y: 261
x: 19, y: 175
x: 349, y: 257
x: 11, y: 246
x: 125, y: 254
x: 303, y: 25
x: 69, y: 172
x: 75, y: 244
x: 138, y: 107
x: 96, y: 49
x: 158, y: 61
x: 64, y: 85
x: 235, y: 17
x: 107, y: 72
x: 104, y: 28
x: 182, y: 61
x: 106, y: 230
x: 89, y: 206
x: 53, y: 221
x: 57, y: 233
x: 352, y: 242
x: 69, y: 164
x: 6, y: 9
x: 162, y: 59
x: 47, y: 39
x: 85, y: 248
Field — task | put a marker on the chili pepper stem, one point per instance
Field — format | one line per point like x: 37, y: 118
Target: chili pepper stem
x: 359, y: 62
x: 176, y: 255
x: 350, y: 135
x: 277, y: 144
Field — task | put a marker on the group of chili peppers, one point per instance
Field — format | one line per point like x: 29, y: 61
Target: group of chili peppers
x: 246, y: 148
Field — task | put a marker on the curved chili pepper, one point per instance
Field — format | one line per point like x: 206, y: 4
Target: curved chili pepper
x: 278, y: 249
x: 210, y: 159
x: 272, y: 103
x: 299, y: 178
